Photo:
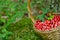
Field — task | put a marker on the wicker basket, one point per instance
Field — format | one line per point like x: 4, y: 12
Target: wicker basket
x: 52, y: 34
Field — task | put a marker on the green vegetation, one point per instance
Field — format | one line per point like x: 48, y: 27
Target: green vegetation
x: 21, y: 30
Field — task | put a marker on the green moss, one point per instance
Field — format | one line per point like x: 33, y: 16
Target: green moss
x: 23, y: 30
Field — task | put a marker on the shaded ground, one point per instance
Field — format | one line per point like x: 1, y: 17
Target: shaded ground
x: 22, y: 30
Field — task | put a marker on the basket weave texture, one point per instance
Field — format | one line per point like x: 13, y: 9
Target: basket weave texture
x: 53, y: 34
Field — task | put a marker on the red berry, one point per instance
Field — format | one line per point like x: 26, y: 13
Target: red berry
x: 48, y: 24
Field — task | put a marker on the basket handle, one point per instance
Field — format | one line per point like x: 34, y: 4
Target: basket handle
x: 30, y: 12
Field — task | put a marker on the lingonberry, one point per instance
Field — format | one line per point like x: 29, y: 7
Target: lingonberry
x: 48, y: 24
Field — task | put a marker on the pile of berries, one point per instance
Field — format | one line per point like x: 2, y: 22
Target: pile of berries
x: 48, y: 24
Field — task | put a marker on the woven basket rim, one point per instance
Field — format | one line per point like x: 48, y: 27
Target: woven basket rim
x: 47, y: 31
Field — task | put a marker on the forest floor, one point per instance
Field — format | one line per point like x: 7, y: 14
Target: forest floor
x: 23, y: 30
